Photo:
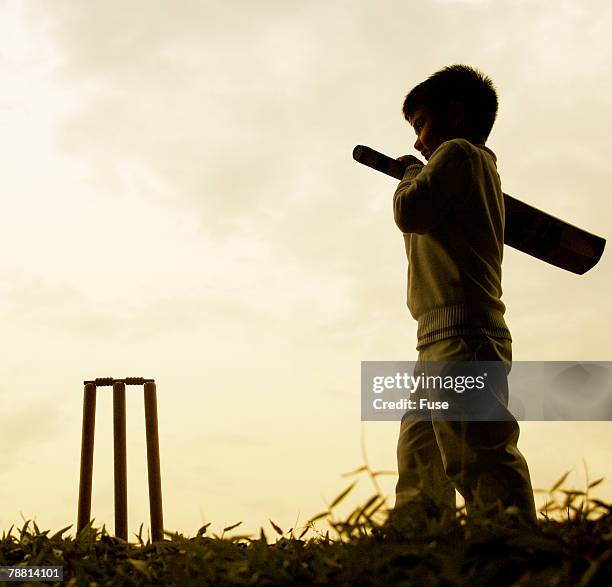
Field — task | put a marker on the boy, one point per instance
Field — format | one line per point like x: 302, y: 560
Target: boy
x: 451, y: 213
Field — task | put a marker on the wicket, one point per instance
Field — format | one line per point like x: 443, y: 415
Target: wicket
x: 120, y: 457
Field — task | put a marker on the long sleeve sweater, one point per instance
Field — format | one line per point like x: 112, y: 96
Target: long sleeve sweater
x: 451, y: 212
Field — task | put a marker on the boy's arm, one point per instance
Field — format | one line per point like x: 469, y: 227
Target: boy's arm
x: 427, y: 192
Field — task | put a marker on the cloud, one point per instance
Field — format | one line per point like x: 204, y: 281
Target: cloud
x: 230, y: 108
x: 24, y: 425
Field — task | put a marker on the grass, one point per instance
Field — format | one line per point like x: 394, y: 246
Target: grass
x: 571, y: 546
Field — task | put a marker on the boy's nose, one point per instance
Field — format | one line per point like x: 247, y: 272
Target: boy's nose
x: 418, y: 145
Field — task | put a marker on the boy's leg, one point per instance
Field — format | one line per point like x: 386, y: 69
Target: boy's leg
x: 481, y: 458
x: 422, y: 480
x: 484, y: 463
x: 422, y: 486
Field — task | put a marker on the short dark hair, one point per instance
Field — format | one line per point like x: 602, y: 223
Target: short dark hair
x: 457, y: 83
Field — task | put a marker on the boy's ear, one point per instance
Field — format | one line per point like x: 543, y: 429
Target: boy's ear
x: 456, y: 114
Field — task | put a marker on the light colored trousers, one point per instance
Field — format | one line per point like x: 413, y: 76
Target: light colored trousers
x: 478, y: 458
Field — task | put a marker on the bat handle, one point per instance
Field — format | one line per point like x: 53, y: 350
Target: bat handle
x: 379, y: 161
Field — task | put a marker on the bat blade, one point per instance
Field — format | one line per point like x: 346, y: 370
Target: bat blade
x: 527, y: 229
x: 550, y: 239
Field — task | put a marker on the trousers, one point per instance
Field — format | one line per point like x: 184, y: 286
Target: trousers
x: 480, y: 459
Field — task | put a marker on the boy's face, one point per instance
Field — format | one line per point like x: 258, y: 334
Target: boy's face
x: 431, y: 130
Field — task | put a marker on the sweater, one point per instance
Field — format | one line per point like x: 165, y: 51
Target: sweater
x: 451, y: 213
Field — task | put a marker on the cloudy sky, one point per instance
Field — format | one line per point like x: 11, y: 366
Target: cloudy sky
x: 179, y: 202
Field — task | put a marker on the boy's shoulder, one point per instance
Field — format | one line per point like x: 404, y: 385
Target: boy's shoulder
x: 464, y: 148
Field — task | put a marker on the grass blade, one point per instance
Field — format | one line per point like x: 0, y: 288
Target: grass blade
x: 342, y: 495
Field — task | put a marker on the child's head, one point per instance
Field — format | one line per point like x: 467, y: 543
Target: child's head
x: 455, y: 102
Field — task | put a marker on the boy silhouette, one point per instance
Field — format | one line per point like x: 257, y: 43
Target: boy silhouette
x: 451, y: 214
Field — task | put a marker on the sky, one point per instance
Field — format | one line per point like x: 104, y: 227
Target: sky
x: 179, y: 202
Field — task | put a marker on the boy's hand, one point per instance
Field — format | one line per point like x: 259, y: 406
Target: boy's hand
x: 410, y: 160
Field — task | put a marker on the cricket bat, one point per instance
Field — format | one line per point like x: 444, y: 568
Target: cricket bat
x: 527, y: 229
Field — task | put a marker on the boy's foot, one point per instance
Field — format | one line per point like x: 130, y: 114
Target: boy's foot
x: 422, y: 517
